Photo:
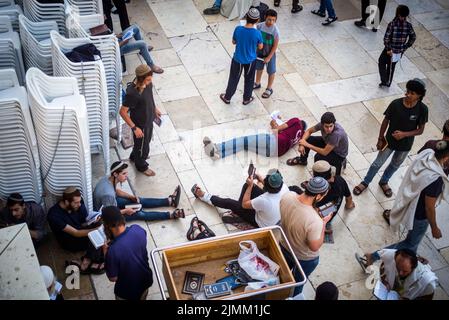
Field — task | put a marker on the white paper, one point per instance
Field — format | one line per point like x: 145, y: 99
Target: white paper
x: 382, y: 293
x: 396, y: 57
x: 128, y: 35
x: 276, y: 116
x: 93, y: 216
x: 97, y: 237
x: 136, y: 206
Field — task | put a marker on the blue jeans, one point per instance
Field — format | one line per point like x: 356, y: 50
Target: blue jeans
x: 146, y: 203
x: 139, y: 44
x: 382, y: 157
x: 262, y: 143
x: 412, y: 240
x: 308, y: 266
x: 326, y: 5
x: 217, y: 3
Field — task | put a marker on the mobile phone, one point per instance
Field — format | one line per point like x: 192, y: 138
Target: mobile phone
x: 158, y: 121
x: 251, y: 170
x: 327, y: 209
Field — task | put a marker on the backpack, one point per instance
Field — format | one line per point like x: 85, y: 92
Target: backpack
x: 262, y: 7
x: 84, y: 53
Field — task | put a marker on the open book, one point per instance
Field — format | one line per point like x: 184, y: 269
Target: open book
x: 93, y: 216
x: 135, y: 206
x: 128, y: 35
x: 97, y: 237
x: 381, y: 292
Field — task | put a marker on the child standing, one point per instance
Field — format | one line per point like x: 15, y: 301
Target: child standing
x: 270, y: 36
x: 247, y: 40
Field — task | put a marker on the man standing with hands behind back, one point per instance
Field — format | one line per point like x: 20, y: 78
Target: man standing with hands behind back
x: 139, y: 102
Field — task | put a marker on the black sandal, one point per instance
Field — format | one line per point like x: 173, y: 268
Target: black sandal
x: 222, y: 97
x: 176, y: 197
x: 194, y: 189
x: 248, y: 101
x: 296, y: 161
x: 386, y: 190
x: 386, y: 216
x: 358, y: 190
x: 318, y: 13
x: 177, y: 214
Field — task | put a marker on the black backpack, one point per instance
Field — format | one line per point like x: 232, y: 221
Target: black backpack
x: 262, y: 7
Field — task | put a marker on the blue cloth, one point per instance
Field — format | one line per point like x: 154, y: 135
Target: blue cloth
x: 412, y: 240
x: 263, y: 143
x: 146, y: 203
x: 326, y: 5
x: 217, y: 3
x: 246, y: 40
x: 127, y: 260
x: 382, y: 157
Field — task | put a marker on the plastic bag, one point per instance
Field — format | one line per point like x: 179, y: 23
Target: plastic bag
x: 257, y: 265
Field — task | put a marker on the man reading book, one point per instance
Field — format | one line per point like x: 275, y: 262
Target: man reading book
x: 126, y: 256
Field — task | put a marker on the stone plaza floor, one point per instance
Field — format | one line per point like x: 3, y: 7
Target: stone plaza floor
x: 320, y: 69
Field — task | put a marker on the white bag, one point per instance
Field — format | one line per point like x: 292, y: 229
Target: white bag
x: 257, y: 265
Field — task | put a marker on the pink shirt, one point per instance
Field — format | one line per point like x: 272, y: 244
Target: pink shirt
x: 290, y: 136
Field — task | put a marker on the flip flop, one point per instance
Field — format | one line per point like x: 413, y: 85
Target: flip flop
x: 318, y: 13
x: 190, y: 233
x: 178, y: 214
x: 222, y: 97
x: 362, y: 262
x: 386, y: 216
x: 248, y: 101
x: 387, y: 191
x: 257, y: 86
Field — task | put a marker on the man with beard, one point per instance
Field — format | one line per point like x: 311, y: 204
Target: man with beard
x: 401, y: 271
x: 67, y: 220
x: 18, y: 211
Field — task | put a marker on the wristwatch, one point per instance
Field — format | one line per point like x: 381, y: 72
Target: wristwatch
x: 134, y: 128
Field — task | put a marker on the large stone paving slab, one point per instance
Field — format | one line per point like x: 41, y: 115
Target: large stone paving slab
x: 168, y: 14
x: 312, y: 67
x: 347, y: 58
x: 201, y: 53
x: 434, y: 20
x: 352, y: 90
x: 442, y: 35
x: 175, y: 84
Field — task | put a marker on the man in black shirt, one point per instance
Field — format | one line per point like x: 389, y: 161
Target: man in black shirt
x: 424, y: 168
x: 139, y: 102
x: 338, y: 189
x: 18, y: 211
x: 67, y: 220
x: 405, y: 118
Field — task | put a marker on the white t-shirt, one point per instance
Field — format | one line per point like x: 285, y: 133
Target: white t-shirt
x: 267, y: 206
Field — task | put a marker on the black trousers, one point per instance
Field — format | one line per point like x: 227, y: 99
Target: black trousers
x: 141, y: 148
x: 381, y: 4
x: 333, y: 158
x: 121, y: 10
x: 249, y: 215
x: 386, y: 68
x: 234, y: 77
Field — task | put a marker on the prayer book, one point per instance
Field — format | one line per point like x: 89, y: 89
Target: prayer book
x: 276, y: 116
x: 193, y: 282
x: 135, y: 206
x: 97, y: 237
x: 128, y: 35
x: 382, y: 293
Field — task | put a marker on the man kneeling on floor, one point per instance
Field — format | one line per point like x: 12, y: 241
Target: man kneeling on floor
x: 67, y: 220
x: 258, y: 203
x: 106, y: 193
x: 126, y: 256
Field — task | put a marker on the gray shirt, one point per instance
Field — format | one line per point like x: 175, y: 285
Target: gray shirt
x: 337, y: 138
x: 104, y: 194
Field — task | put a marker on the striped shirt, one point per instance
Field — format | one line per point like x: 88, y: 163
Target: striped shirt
x: 396, y: 36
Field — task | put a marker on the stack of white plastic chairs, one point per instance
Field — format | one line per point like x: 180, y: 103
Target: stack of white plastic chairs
x: 110, y: 55
x: 8, y: 8
x: 51, y: 11
x: 19, y: 156
x: 11, y: 49
x: 90, y: 12
x: 36, y: 43
x: 60, y: 120
x: 91, y: 79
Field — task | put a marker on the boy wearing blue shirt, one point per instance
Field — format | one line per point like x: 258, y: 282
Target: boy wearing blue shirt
x: 247, y: 40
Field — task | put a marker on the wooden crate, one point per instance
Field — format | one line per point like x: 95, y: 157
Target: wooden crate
x: 210, y: 257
